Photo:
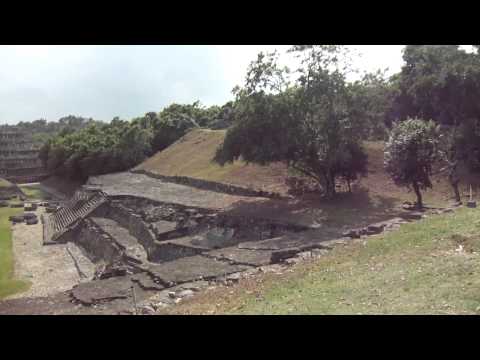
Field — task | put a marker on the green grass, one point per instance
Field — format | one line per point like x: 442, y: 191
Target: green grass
x: 34, y: 192
x: 418, y: 269
x: 414, y: 270
x: 8, y: 285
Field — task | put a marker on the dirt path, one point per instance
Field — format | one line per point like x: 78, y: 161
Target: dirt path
x: 50, y: 269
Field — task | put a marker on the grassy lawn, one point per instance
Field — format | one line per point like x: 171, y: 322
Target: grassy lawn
x: 8, y: 286
x: 427, y: 267
x: 34, y: 192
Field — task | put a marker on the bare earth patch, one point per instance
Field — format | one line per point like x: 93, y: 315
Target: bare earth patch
x: 50, y: 269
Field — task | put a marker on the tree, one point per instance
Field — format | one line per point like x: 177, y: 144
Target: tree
x: 410, y: 153
x: 308, y: 124
x: 442, y: 83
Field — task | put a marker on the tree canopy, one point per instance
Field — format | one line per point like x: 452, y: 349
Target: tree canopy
x: 410, y: 153
x: 307, y: 124
x: 119, y: 145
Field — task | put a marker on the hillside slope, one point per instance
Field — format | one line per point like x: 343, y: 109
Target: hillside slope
x: 192, y: 156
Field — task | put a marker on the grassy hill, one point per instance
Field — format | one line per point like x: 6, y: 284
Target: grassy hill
x: 192, y: 156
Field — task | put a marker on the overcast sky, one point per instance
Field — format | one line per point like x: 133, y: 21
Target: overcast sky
x: 127, y: 81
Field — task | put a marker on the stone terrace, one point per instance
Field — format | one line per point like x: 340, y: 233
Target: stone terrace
x: 143, y: 186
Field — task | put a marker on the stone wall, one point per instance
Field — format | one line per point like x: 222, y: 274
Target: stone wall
x: 98, y: 246
x: 209, y: 185
x: 132, y: 222
x: 168, y: 252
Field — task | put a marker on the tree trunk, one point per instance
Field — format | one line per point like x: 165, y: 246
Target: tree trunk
x: 457, y: 192
x: 349, y: 187
x: 419, y: 195
x: 329, y: 186
x: 454, y: 181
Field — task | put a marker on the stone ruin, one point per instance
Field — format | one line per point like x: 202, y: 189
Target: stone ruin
x: 19, y: 161
x: 150, y: 239
x: 163, y: 238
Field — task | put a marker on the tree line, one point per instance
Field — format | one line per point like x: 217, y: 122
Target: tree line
x: 313, y: 119
x: 99, y: 147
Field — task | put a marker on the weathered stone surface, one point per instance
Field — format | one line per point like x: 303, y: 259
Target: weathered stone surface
x: 121, y: 236
x: 146, y: 282
x: 409, y: 207
x: 103, y: 290
x: 191, y: 268
x: 376, y: 228
x: 242, y: 256
x: 280, y: 255
x: 416, y: 215
x: 288, y: 241
x: 329, y: 244
x: 352, y: 233
x: 161, y: 227
x: 185, y: 293
x: 171, y: 250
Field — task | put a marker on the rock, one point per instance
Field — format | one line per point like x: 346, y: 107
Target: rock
x: 353, y: 233
x: 472, y: 204
x: 280, y: 255
x: 319, y: 252
x: 377, y: 227
x: 234, y: 277
x: 172, y: 294
x: 146, y: 310
x: 190, y: 223
x: 292, y: 261
x: 409, y: 207
x: 412, y: 215
x: 185, y: 293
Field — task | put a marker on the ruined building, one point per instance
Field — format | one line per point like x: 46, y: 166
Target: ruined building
x: 19, y: 156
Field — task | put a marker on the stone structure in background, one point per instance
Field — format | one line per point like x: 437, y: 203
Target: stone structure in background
x: 19, y: 156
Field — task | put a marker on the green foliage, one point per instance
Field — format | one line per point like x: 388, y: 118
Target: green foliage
x: 442, y: 83
x: 307, y: 124
x: 371, y: 101
x: 438, y: 82
x: 101, y: 148
x: 97, y: 149
x: 410, y: 153
x: 43, y: 129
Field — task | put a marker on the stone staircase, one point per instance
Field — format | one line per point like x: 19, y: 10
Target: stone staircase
x: 81, y: 204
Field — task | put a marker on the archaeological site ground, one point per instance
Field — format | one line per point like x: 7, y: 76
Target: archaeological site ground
x: 179, y: 234
x: 317, y: 185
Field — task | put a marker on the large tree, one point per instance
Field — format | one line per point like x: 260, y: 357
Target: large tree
x: 410, y: 153
x: 306, y: 123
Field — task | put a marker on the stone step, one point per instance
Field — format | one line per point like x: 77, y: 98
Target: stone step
x: 58, y: 222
